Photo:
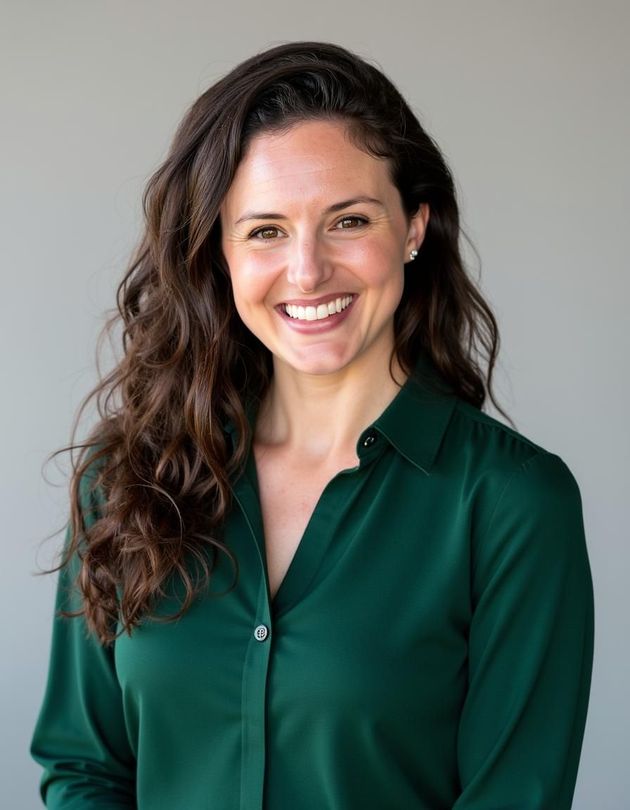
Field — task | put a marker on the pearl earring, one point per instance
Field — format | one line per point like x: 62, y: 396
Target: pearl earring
x: 413, y: 254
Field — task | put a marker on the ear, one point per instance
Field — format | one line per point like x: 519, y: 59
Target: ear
x: 417, y: 229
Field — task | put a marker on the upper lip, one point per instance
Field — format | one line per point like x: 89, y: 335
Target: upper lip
x: 315, y: 302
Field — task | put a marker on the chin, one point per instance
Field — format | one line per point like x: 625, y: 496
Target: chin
x: 325, y: 363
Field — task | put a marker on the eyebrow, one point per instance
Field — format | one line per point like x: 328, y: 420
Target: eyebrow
x: 330, y: 210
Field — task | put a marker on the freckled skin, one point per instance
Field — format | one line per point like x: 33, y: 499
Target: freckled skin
x: 312, y: 253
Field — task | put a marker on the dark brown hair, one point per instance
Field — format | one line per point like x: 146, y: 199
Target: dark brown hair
x: 159, y: 457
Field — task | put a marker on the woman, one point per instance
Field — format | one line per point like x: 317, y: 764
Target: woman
x: 308, y: 571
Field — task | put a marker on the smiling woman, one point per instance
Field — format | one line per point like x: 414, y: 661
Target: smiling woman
x: 383, y: 595
x: 284, y: 277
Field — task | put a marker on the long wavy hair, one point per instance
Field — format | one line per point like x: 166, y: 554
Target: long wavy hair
x: 159, y: 458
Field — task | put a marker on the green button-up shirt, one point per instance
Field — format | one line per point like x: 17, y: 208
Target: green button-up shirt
x: 430, y: 646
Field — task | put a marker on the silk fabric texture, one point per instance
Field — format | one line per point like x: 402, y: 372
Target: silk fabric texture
x: 430, y: 646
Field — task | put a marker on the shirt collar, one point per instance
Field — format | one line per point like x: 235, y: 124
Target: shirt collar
x: 416, y: 419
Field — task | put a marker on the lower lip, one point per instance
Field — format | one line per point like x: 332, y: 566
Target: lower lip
x: 318, y: 326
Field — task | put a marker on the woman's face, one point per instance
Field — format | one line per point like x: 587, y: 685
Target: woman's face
x: 315, y: 238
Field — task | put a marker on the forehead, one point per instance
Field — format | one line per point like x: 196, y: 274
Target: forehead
x: 312, y: 159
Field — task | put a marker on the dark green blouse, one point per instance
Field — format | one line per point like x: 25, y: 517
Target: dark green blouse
x: 430, y: 646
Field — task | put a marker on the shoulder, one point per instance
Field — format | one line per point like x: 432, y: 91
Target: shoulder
x: 500, y: 469
x: 478, y: 427
x: 475, y: 436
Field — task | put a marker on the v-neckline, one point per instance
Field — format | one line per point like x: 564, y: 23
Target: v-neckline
x: 307, y: 555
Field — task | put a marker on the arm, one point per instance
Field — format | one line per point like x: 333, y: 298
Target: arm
x: 530, y: 647
x: 80, y: 737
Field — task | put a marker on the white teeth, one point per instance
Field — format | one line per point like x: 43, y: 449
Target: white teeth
x: 317, y: 313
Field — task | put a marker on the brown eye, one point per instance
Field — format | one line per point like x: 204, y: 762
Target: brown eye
x: 360, y: 220
x: 265, y: 230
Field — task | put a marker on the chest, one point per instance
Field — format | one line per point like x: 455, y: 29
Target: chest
x: 289, y: 491
x: 370, y: 623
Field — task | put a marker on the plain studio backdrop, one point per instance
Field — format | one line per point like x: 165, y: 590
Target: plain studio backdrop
x: 529, y: 102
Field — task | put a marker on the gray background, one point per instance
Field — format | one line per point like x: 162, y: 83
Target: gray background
x: 529, y: 101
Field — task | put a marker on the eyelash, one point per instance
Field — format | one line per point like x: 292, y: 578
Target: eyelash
x: 275, y: 227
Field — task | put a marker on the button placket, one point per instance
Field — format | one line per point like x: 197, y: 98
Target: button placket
x: 254, y: 705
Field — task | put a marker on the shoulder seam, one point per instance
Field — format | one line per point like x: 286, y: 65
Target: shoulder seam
x: 480, y: 417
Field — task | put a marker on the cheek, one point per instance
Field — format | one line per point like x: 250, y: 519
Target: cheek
x: 380, y: 258
x: 385, y: 273
x: 250, y: 282
x: 251, y: 291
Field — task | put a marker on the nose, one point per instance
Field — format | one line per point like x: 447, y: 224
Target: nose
x: 308, y: 267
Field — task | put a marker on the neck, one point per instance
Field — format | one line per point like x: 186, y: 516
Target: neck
x: 322, y: 416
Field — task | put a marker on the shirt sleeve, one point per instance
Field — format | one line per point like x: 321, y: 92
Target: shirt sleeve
x: 80, y: 737
x: 530, y: 646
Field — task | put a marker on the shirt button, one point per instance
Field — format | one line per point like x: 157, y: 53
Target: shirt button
x: 369, y: 440
x: 261, y: 632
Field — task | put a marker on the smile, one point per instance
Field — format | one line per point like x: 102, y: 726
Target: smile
x: 318, y: 313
